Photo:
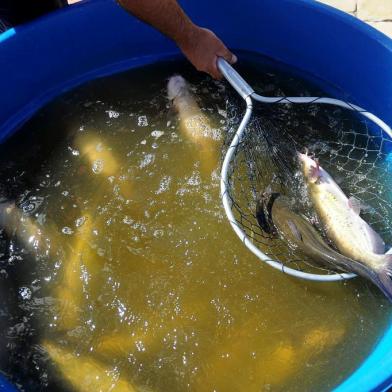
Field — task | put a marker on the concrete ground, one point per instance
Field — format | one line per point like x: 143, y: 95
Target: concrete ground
x: 377, y: 13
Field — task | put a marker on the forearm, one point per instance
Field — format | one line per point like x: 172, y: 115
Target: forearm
x: 201, y: 46
x: 165, y: 15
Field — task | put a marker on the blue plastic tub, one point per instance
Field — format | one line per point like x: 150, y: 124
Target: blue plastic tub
x: 43, y: 59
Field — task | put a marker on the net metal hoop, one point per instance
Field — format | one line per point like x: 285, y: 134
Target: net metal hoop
x: 248, y: 94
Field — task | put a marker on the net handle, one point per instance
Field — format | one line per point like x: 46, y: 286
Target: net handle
x: 234, y: 78
x: 246, y: 92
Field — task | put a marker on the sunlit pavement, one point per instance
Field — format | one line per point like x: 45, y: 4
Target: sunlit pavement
x: 377, y: 13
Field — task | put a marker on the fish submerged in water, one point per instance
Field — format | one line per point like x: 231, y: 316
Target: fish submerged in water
x: 193, y: 122
x: 275, y: 214
x: 352, y: 236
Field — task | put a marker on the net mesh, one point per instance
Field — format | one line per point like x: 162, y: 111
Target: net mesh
x: 350, y: 147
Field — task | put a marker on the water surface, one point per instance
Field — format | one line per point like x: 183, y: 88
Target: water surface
x: 122, y: 271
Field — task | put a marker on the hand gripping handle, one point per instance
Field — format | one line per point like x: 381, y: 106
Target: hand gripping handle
x: 234, y: 78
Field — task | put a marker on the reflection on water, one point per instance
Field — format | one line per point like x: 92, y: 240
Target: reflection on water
x: 127, y: 275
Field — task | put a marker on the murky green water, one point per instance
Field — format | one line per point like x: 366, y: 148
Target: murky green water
x: 120, y: 272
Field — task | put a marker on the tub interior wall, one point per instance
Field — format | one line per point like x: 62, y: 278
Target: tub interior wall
x: 317, y: 40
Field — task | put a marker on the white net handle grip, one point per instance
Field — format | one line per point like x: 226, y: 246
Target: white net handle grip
x: 234, y: 78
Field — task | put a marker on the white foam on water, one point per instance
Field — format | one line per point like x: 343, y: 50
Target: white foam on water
x: 147, y: 160
x: 164, y: 185
x: 142, y: 121
x: 112, y: 113
x: 127, y: 220
x: 80, y: 221
x: 194, y: 179
x: 25, y: 293
x: 67, y: 230
x: 157, y: 134
x: 97, y: 166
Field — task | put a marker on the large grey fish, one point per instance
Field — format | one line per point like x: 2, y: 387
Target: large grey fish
x: 276, y: 215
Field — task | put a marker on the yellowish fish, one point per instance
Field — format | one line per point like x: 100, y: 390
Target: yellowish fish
x: 86, y: 374
x: 39, y: 240
x: 101, y: 159
x: 193, y: 122
x: 70, y: 292
x: 340, y: 216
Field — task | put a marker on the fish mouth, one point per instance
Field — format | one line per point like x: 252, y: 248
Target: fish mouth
x: 307, y: 162
x: 306, y: 156
x: 302, y: 157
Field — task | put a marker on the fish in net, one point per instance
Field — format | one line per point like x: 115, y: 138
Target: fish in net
x: 353, y: 149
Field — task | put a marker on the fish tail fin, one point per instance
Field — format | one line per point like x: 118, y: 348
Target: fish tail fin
x: 381, y: 275
x: 384, y: 276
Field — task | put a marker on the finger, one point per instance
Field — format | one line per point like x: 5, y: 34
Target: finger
x: 227, y: 55
x: 234, y: 59
x: 214, y: 70
x: 215, y: 74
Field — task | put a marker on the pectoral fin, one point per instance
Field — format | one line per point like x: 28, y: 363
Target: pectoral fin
x: 376, y: 243
x: 355, y: 205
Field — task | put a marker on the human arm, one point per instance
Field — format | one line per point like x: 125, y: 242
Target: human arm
x: 201, y: 46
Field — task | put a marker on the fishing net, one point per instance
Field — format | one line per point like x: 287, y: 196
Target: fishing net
x: 355, y: 151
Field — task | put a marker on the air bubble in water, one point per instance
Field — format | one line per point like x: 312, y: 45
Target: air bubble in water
x: 25, y: 293
x: 147, y: 160
x: 32, y: 204
x: 157, y: 134
x: 164, y: 185
x: 112, y: 113
x: 158, y: 233
x: 80, y: 221
x: 142, y: 121
x: 67, y: 230
x: 73, y: 151
x: 127, y: 220
x: 97, y: 166
x: 194, y: 180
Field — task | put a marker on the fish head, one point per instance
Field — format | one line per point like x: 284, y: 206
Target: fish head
x: 176, y: 86
x: 310, y: 168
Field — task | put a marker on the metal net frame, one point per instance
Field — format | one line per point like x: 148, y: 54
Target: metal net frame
x: 351, y: 140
